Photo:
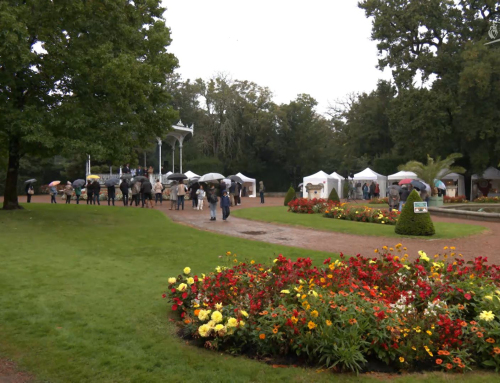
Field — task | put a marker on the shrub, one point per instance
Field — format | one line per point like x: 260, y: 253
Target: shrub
x: 334, y: 197
x: 290, y: 196
x: 388, y: 309
x: 459, y: 199
x: 411, y: 223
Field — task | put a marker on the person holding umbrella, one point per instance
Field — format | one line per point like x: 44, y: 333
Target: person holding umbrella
x: 158, y: 192
x: 68, y: 191
x: 181, y: 193
x: 90, y: 192
x: 111, y: 194
x: 96, y: 188
x: 173, y: 196
x: 53, y: 191
x: 136, y: 190
x: 78, y: 193
x: 124, y: 188
x: 146, y: 190
x: 29, y: 189
x: 212, y: 201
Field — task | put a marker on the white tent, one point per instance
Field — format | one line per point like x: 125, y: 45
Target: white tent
x: 458, y: 178
x: 250, y: 184
x: 323, y: 178
x: 402, y: 175
x: 491, y: 173
x: 370, y: 175
x: 340, y: 184
x: 189, y: 174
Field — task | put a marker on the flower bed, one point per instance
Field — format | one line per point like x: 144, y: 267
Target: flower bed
x: 429, y: 313
x: 363, y: 214
x: 487, y: 200
x: 459, y: 199
x: 310, y: 206
x: 379, y: 201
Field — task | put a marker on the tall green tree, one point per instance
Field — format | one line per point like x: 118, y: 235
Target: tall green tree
x: 82, y: 77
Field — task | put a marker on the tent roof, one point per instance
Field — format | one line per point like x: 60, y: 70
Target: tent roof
x: 245, y: 178
x: 337, y: 176
x: 190, y: 174
x: 402, y: 175
x: 321, y: 174
x: 368, y: 174
x: 489, y: 174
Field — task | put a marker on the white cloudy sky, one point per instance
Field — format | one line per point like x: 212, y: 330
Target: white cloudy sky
x: 319, y: 47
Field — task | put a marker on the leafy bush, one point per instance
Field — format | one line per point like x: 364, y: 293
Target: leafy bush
x: 362, y: 214
x: 290, y: 196
x: 459, y: 199
x: 334, y: 197
x: 403, y: 313
x: 487, y: 200
x: 411, y: 223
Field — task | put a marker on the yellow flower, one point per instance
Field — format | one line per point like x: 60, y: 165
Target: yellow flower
x: 487, y: 316
x: 190, y: 281
x: 218, y: 269
x: 313, y: 293
x: 452, y: 247
x: 172, y: 280
x: 252, y: 262
x: 371, y: 261
x: 219, y: 327
x: 488, y: 297
x: 423, y: 256
x: 414, y: 348
x: 228, y: 253
x: 328, y: 322
x: 311, y: 325
x: 203, y: 315
x: 217, y: 317
x: 218, y: 306
x: 428, y: 332
x: 182, y: 287
x: 232, y: 322
x: 244, y: 313
x: 445, y: 248
x: 401, y: 359
x: 187, y: 270
x: 285, y: 292
x: 204, y: 330
x: 376, y: 250
x: 314, y: 314
x: 384, y: 247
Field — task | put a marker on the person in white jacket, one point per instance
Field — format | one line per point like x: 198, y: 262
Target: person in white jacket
x: 158, y: 190
x: 201, y: 195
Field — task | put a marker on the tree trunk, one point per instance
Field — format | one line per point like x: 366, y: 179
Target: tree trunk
x: 10, y: 201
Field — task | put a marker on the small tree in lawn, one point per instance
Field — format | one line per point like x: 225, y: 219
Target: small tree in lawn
x: 290, y: 196
x: 434, y: 169
x: 334, y: 197
x: 411, y: 223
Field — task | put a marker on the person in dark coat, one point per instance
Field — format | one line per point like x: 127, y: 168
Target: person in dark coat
x: 126, y: 169
x: 90, y: 192
x: 224, y: 204
x: 146, y: 190
x: 124, y: 188
x: 29, y: 192
x: 372, y: 190
x: 193, y: 196
x: 111, y: 194
x: 223, y: 187
x: 96, y: 188
x: 139, y: 171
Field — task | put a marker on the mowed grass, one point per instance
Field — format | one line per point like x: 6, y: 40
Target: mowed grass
x: 80, y: 299
x: 279, y: 214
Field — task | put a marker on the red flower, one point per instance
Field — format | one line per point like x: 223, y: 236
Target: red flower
x: 467, y: 296
x: 164, y: 296
x: 185, y: 295
x: 174, y: 307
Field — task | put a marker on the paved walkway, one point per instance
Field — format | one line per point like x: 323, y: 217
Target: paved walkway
x: 486, y: 244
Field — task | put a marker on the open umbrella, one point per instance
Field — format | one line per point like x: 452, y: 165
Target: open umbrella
x: 439, y: 184
x: 54, y: 183
x: 78, y: 183
x: 397, y: 187
x: 112, y: 182
x: 176, y: 176
x: 236, y: 179
x: 210, y: 177
x: 419, y: 185
x: 30, y: 181
x: 193, y: 181
x: 139, y: 179
x: 126, y: 176
x: 92, y: 176
x: 406, y: 181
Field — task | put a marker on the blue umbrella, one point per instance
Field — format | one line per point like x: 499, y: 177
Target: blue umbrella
x: 439, y: 184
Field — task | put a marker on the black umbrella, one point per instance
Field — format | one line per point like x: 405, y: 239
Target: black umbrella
x: 418, y: 185
x: 193, y: 181
x: 176, y: 176
x: 139, y: 179
x: 397, y: 187
x: 236, y: 179
x: 126, y: 176
x: 78, y: 183
x: 112, y: 182
x: 30, y: 181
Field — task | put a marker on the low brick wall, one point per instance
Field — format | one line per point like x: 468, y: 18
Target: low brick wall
x: 450, y: 212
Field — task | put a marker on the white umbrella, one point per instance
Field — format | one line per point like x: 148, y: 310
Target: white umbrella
x: 211, y: 177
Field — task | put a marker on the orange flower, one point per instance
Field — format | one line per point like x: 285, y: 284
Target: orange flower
x: 274, y: 315
x: 473, y: 322
x: 479, y: 334
x: 311, y: 325
x: 496, y: 350
x: 187, y: 321
x: 461, y: 307
x: 457, y: 360
x: 445, y: 352
x: 275, y: 330
x: 440, y: 352
x: 343, y: 293
x: 463, y: 324
x: 439, y: 361
x: 262, y: 336
x: 352, y: 321
x: 461, y: 365
x: 196, y: 312
x: 333, y: 306
x: 490, y: 340
x: 449, y: 366
x: 264, y: 312
x: 328, y: 322
x: 376, y: 308
x: 342, y: 308
x: 473, y: 329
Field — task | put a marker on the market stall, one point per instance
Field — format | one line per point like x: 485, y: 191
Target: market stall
x: 318, y: 185
x: 340, y: 184
x: 369, y: 176
x: 488, y: 182
x: 249, y: 184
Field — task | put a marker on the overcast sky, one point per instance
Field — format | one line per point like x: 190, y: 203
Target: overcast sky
x: 319, y: 47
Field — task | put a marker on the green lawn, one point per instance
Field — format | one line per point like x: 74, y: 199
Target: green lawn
x: 279, y: 214
x: 80, y: 298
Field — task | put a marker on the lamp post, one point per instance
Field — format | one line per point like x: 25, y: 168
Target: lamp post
x: 159, y: 155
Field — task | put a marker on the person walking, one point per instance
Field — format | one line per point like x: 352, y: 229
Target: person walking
x: 68, y: 192
x: 393, y: 198
x: 173, y: 196
x: 212, y: 201
x: 377, y: 190
x: 181, y: 193
x: 96, y: 187
x: 232, y: 193
x: 53, y: 194
x: 78, y: 193
x: 146, y: 190
x: 372, y: 190
x: 193, y: 196
x: 225, y: 202
x: 223, y: 187
x: 111, y: 194
x: 124, y: 189
x: 90, y: 192
x: 200, y: 195
x: 403, y: 196
x: 136, y: 190
x: 29, y: 192
x: 158, y: 189
x: 262, y: 189
x: 238, y: 193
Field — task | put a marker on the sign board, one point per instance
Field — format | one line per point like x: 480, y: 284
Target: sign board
x: 420, y: 207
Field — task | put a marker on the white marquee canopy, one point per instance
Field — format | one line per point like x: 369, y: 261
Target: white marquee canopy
x: 249, y: 183
x: 340, y: 183
x: 323, y: 178
x: 370, y: 175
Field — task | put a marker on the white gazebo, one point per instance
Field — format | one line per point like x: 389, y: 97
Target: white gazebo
x: 491, y: 174
x: 178, y: 134
x: 319, y: 178
x: 370, y: 175
x: 189, y: 174
x: 249, y: 183
x: 340, y: 184
x: 401, y: 176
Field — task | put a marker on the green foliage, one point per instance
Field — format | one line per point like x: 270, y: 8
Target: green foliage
x: 411, y: 223
x: 290, y: 195
x: 334, y: 197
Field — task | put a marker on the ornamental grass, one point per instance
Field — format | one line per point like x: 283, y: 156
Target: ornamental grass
x: 436, y: 312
